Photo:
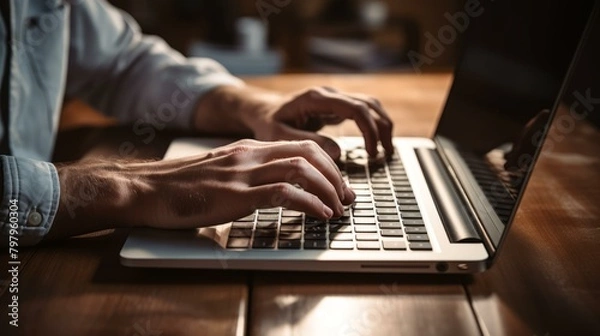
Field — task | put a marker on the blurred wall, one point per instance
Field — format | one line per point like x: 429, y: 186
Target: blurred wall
x: 181, y: 22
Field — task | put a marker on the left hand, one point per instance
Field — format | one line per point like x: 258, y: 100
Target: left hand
x: 270, y: 116
x: 301, y: 114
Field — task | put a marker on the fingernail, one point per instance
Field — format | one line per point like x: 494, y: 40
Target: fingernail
x: 327, y: 211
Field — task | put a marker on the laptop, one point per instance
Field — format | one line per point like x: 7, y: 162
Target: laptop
x: 440, y: 205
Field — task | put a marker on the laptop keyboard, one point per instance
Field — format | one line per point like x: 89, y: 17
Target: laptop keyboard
x: 384, y: 216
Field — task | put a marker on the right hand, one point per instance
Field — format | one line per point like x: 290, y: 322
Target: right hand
x: 232, y: 181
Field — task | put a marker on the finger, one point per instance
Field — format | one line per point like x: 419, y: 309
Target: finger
x: 314, y: 154
x: 327, y: 144
x: 385, y: 135
x: 384, y: 123
x: 326, y: 101
x: 287, y: 196
x: 286, y: 132
x: 298, y: 171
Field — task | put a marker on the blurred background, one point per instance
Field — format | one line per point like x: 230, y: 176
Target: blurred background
x: 267, y: 37
x: 263, y: 37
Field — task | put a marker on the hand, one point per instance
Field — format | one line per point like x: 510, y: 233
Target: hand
x: 270, y: 116
x: 526, y: 142
x: 225, y: 184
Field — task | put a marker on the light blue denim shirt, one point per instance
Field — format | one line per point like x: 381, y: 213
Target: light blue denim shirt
x: 89, y: 50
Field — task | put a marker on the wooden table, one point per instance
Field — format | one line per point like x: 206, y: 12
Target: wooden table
x: 546, y: 280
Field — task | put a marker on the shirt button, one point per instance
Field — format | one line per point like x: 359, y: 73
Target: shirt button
x: 34, y: 219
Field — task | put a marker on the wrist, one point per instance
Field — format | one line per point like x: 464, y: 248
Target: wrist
x: 235, y: 110
x: 94, y: 196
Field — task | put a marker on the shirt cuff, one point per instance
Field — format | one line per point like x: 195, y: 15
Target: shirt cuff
x: 206, y: 75
x: 31, y: 193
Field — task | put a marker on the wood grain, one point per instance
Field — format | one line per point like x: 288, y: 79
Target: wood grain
x: 78, y: 287
x: 547, y: 278
x: 351, y: 304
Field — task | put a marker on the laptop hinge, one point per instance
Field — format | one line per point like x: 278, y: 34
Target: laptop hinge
x: 455, y: 218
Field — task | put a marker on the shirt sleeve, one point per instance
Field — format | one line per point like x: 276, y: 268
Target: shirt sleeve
x: 30, y: 196
x: 133, y: 77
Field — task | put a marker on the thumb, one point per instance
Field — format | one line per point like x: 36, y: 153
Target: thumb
x: 329, y: 145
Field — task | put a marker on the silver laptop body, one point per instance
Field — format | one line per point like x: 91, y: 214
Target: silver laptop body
x: 443, y: 205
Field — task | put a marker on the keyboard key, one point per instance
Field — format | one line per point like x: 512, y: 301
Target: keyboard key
x: 379, y: 179
x: 249, y: 218
x: 409, y: 207
x: 405, y: 195
x: 340, y: 236
x: 361, y: 192
x: 392, y: 233
x: 386, y: 192
x: 365, y: 228
x: 420, y: 246
x: 363, y: 199
x: 385, y: 205
x: 290, y: 235
x: 379, y: 198
x: 289, y: 244
x: 341, y: 245
x: 363, y: 213
x: 364, y: 221
x: 367, y: 236
x: 291, y: 213
x: 263, y: 243
x: 388, y: 218
x: 238, y: 242
x: 406, y: 201
x: 265, y: 233
x: 387, y: 211
x: 315, y: 228
x: 264, y: 218
x: 390, y: 225
x: 313, y: 220
x: 340, y: 228
x: 368, y: 245
x: 400, y: 182
x: 359, y: 186
x: 415, y: 229
x: 315, y: 235
x: 291, y: 221
x: 315, y: 244
x: 269, y: 211
x: 382, y: 186
x: 363, y: 206
x: 341, y: 220
x: 402, y: 189
x: 267, y: 225
x: 394, y: 245
x: 413, y: 222
x: 411, y: 215
x: 240, y: 233
x: 417, y: 237
x: 242, y: 225
x: 291, y: 228
x: 346, y: 212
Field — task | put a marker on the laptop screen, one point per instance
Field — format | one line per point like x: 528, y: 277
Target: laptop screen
x: 515, y: 58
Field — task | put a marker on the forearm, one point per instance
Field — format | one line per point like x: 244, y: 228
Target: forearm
x: 94, y: 196
x: 231, y: 110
